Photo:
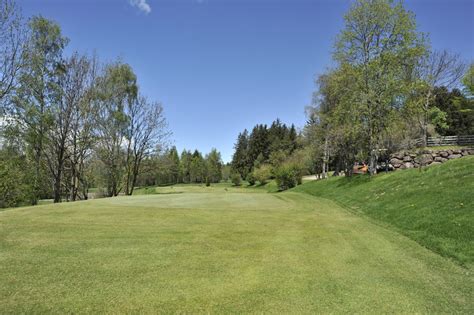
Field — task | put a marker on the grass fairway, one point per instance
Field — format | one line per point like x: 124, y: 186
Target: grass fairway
x: 220, y: 251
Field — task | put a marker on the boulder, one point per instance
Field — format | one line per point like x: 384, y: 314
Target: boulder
x: 443, y: 154
x: 465, y: 153
x: 440, y: 159
x: 454, y: 156
x: 427, y: 151
x: 450, y: 152
x: 407, y: 158
x: 407, y: 165
x: 424, y: 159
x: 396, y: 162
x: 456, y: 151
x: 435, y: 163
x: 398, y: 155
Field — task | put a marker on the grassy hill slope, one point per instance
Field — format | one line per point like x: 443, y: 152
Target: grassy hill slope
x: 434, y: 206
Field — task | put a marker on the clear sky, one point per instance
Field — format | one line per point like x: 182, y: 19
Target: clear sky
x: 219, y: 66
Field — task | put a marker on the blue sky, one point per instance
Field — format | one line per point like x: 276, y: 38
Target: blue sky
x: 219, y: 66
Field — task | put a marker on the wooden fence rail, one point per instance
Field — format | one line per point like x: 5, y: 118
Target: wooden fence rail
x: 448, y: 140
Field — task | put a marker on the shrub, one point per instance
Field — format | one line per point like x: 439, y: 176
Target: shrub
x: 208, y: 181
x: 236, y: 179
x: 288, y: 176
x: 251, y: 179
x: 262, y: 173
x: 13, y: 189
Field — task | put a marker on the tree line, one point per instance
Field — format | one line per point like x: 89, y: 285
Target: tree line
x: 69, y: 122
x: 387, y: 88
x: 169, y: 168
x: 267, y: 152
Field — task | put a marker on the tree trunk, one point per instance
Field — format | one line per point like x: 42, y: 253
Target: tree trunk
x: 57, y: 186
x: 425, y: 119
x: 325, y: 157
x: 373, y: 162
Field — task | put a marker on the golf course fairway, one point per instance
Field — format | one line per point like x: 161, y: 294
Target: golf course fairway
x: 218, y: 250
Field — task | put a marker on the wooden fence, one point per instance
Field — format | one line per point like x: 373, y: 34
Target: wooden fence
x: 448, y: 140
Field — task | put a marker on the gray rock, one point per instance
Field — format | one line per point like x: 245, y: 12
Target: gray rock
x: 454, y: 156
x: 465, y: 153
x: 424, y: 159
x: 456, y: 151
x: 407, y: 165
x: 398, y: 155
x: 440, y: 159
x: 450, y: 152
x: 435, y: 163
x: 396, y: 161
x: 407, y: 158
x: 427, y: 151
x: 443, y: 154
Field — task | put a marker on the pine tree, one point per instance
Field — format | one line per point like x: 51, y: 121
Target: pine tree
x: 214, y: 166
x: 174, y: 165
x: 240, y: 158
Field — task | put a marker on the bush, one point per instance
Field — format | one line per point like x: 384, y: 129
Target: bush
x: 288, y: 176
x: 251, y: 179
x: 208, y: 181
x: 262, y: 173
x: 236, y: 179
x: 13, y: 189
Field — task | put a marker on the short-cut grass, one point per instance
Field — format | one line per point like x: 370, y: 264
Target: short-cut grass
x: 218, y: 250
x: 434, y: 206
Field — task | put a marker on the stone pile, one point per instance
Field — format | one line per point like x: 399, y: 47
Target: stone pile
x: 411, y: 159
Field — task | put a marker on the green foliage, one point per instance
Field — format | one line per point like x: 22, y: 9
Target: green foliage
x: 377, y: 48
x: 39, y: 92
x: 240, y: 156
x: 185, y: 166
x: 262, y: 173
x: 468, y: 81
x: 236, y: 179
x: 14, y: 190
x: 438, y: 118
x: 287, y: 176
x: 226, y: 170
x: 214, y: 166
x: 173, y: 158
x: 197, y: 170
x: 277, y: 158
x: 458, y: 109
x: 263, y: 145
x: 251, y: 178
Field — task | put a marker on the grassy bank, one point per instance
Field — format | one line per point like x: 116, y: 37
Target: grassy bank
x: 434, y: 206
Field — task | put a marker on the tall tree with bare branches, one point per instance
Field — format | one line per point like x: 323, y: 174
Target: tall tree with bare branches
x: 12, y: 40
x: 146, y: 132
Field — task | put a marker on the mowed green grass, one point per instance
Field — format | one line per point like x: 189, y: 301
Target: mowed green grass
x: 212, y: 250
x: 434, y: 206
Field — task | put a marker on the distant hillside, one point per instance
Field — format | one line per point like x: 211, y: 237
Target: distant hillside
x: 434, y: 206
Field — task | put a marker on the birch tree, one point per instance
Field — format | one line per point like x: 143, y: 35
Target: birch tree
x: 380, y: 42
